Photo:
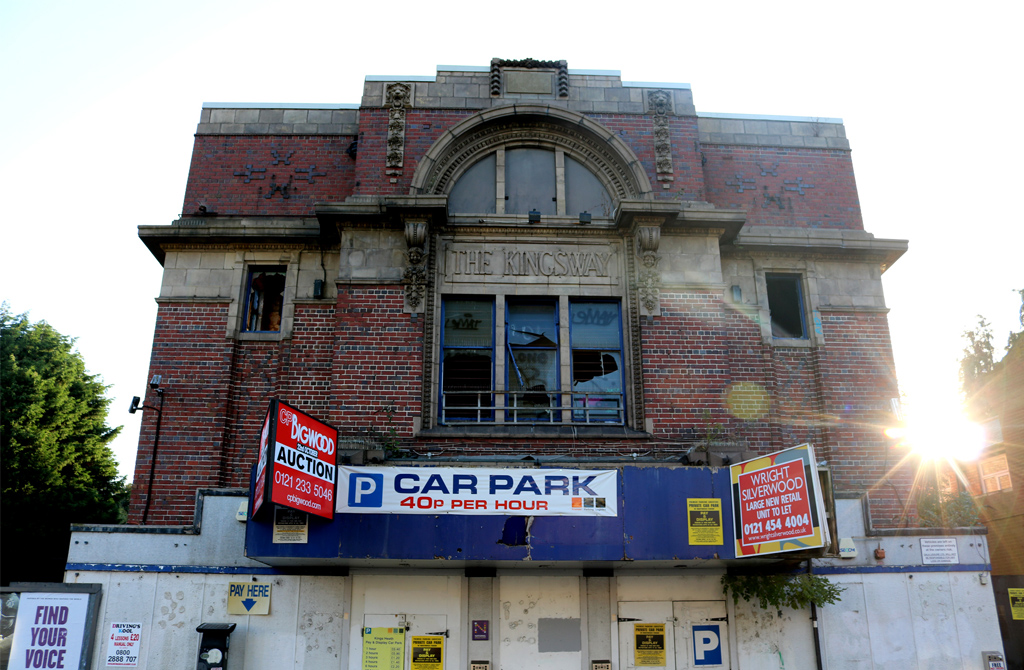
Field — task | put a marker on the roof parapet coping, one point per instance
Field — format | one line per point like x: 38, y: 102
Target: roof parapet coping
x: 655, y: 84
x: 279, y: 105
x: 767, y: 117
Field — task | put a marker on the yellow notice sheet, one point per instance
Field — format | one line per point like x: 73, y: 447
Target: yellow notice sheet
x: 383, y: 648
x: 1017, y: 603
x: 427, y: 652
x: 704, y: 520
x: 649, y: 647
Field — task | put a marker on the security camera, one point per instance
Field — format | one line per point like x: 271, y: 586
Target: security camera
x: 154, y: 383
x: 136, y: 400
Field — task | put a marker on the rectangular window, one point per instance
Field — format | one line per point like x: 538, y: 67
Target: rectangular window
x: 995, y: 474
x: 531, y: 367
x: 264, y: 299
x: 596, y: 338
x: 534, y: 386
x: 467, y: 360
x: 786, y: 306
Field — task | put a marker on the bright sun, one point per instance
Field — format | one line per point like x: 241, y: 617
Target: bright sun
x: 941, y: 431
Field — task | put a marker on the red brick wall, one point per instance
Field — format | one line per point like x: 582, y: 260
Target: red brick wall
x: 858, y: 381
x: 194, y: 359
x: 378, y: 361
x: 770, y: 179
x: 638, y: 133
x: 216, y: 158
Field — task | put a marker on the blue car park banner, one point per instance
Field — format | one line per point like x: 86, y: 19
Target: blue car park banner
x: 508, y: 491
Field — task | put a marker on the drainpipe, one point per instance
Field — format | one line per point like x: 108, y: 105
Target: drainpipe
x: 814, y: 620
x: 156, y: 444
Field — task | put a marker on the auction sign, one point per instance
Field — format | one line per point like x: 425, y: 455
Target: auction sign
x: 512, y: 491
x: 778, y: 504
x: 297, y: 466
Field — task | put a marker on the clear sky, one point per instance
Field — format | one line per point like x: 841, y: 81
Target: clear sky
x: 100, y: 101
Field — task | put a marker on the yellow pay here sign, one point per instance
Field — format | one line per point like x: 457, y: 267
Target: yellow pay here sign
x: 427, y: 652
x: 248, y: 598
x: 649, y: 644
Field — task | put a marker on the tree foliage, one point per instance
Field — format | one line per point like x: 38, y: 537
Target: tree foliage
x: 55, y: 464
x: 796, y: 591
x: 979, y: 356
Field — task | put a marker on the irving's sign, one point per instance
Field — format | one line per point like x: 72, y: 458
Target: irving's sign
x: 510, y: 491
x: 297, y: 466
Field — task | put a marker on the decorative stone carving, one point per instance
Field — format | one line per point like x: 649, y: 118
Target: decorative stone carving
x: 415, y: 277
x: 397, y: 98
x: 648, y: 237
x: 660, y: 105
x: 415, y: 281
x: 561, y: 66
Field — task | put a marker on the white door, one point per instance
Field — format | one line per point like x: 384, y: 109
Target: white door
x: 646, y: 635
x: 701, y: 635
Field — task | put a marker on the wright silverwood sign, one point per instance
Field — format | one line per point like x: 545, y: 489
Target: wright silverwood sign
x: 778, y: 504
x: 298, y: 462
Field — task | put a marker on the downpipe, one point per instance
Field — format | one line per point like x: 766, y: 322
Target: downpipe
x: 814, y: 620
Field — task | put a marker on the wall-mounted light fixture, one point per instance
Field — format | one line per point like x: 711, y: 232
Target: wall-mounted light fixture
x: 737, y: 294
x: 534, y: 216
x: 584, y: 217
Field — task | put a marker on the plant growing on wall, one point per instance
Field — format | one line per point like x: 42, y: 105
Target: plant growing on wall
x: 946, y: 510
x: 776, y: 591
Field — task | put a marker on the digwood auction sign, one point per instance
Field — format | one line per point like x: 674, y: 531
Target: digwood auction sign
x: 777, y: 503
x: 298, y: 462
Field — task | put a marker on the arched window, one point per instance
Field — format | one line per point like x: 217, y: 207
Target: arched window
x: 520, y: 179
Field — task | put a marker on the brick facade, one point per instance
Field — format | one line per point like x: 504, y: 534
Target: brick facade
x: 702, y: 363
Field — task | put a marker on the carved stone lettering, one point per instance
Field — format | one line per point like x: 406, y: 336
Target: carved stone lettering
x: 512, y: 262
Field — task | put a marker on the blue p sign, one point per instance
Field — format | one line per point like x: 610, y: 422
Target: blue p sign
x: 365, y: 490
x: 707, y: 645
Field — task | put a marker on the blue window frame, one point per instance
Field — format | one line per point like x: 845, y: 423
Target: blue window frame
x: 534, y: 384
x: 595, y: 336
x: 532, y: 370
x: 467, y: 360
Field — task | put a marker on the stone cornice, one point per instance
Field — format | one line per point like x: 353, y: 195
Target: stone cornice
x: 818, y: 244
x: 230, y: 233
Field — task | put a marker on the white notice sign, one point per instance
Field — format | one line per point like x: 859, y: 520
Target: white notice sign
x: 49, y: 631
x: 123, y: 645
x: 939, y: 551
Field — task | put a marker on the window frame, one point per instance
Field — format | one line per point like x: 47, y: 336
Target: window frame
x: 797, y: 280
x: 502, y: 412
x: 996, y: 475
x: 252, y: 272
x: 445, y: 302
x: 561, y: 170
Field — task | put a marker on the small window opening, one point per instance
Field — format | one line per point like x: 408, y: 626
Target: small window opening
x: 264, y: 299
x: 786, y: 306
x: 995, y: 474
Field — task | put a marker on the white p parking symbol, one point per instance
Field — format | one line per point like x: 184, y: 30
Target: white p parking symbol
x: 707, y: 648
x: 364, y: 486
x: 366, y: 490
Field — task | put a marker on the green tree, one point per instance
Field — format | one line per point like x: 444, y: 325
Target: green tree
x: 978, y: 358
x: 55, y: 465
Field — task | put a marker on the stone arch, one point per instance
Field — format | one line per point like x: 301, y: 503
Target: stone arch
x: 590, y: 143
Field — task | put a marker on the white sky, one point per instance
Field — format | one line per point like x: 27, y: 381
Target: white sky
x: 100, y: 101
